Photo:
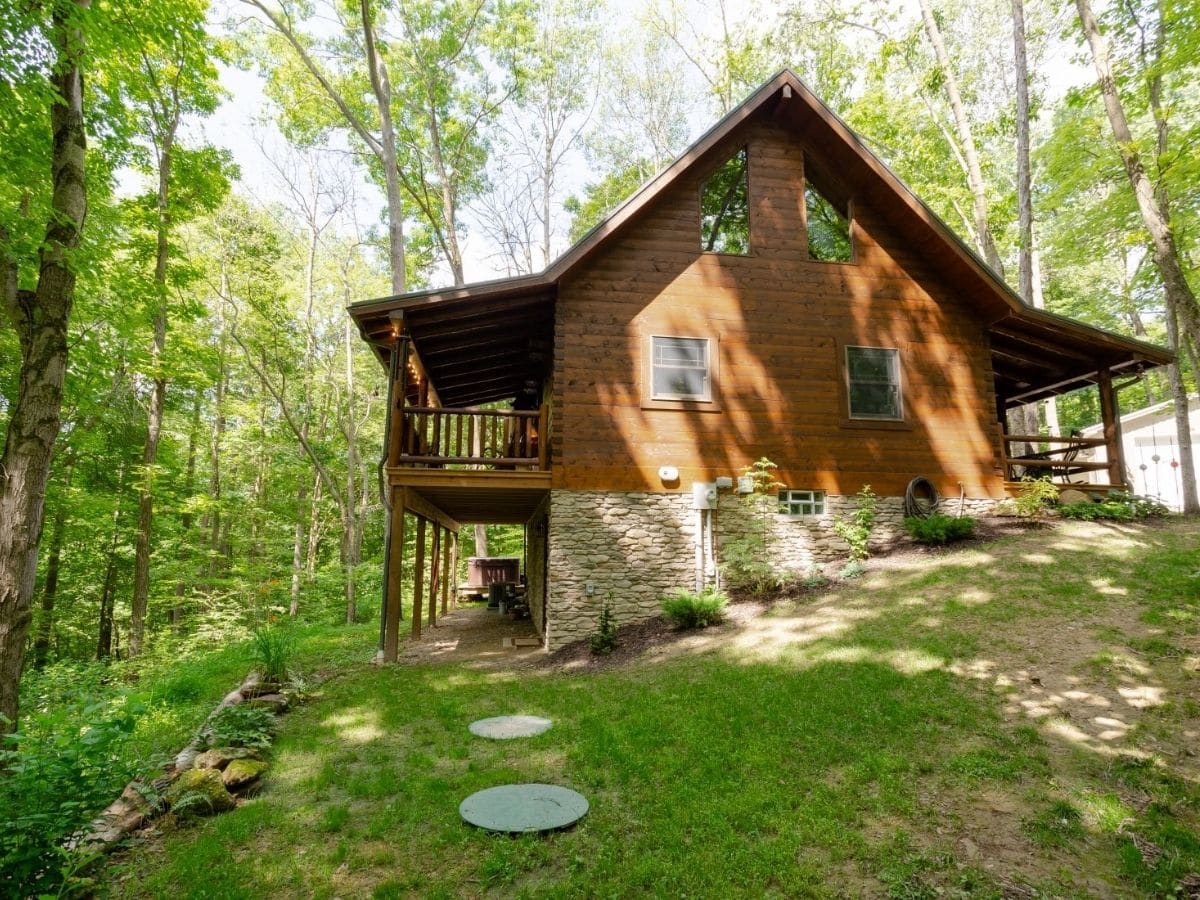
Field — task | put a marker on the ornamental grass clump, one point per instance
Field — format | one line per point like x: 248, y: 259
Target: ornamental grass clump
x: 272, y: 649
x: 686, y: 610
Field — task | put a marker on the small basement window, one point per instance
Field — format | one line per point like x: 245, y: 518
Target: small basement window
x: 828, y: 219
x: 802, y: 503
x: 681, y: 368
x: 873, y: 383
x: 725, y: 208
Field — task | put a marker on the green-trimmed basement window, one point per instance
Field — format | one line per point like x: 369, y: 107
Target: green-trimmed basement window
x: 873, y: 383
x: 725, y: 208
x: 828, y: 225
x: 802, y: 503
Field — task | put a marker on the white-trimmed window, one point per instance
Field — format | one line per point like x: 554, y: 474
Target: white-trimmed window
x: 802, y: 503
x: 681, y: 368
x: 873, y: 383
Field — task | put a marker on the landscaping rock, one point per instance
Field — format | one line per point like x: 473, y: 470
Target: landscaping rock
x: 1071, y: 496
x: 277, y: 703
x: 199, y: 792
x: 259, y: 688
x: 220, y: 757
x: 241, y: 772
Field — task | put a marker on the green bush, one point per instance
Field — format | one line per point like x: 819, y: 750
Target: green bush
x: 687, y: 610
x: 272, y: 647
x: 1034, y: 495
x: 604, y: 641
x: 938, y: 529
x: 747, y: 558
x: 852, y: 569
x: 56, y: 774
x: 241, y: 725
x: 1118, y: 507
x: 855, y: 529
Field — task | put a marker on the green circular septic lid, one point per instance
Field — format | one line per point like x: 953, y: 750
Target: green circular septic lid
x: 523, y: 808
x: 504, y: 728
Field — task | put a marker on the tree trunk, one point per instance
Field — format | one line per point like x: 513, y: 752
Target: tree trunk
x: 41, y: 322
x: 1024, y: 195
x: 983, y: 230
x: 41, y: 643
x: 214, y: 452
x: 382, y: 87
x: 158, y: 399
x: 1154, y: 217
x: 108, y: 595
x: 1183, y: 428
x: 185, y: 519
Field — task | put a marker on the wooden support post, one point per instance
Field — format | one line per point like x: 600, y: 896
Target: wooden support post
x: 418, y: 579
x: 434, y: 567
x: 454, y: 569
x: 1112, y: 428
x: 395, y: 599
x: 543, y: 437
x: 445, y: 582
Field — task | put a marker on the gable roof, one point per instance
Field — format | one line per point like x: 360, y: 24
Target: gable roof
x: 1035, y: 353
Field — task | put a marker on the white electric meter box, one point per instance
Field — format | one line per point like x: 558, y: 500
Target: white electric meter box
x: 704, y: 495
x: 745, y: 484
x: 724, y: 481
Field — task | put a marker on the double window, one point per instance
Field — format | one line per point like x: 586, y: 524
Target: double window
x: 681, y: 368
x: 873, y: 383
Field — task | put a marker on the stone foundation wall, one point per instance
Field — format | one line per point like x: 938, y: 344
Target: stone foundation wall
x: 632, y: 548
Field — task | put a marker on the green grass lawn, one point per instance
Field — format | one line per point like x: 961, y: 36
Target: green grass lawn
x: 885, y: 738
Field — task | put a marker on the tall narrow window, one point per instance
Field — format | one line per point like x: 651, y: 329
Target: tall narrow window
x: 725, y: 208
x: 873, y: 383
x: 828, y: 218
x: 681, y: 369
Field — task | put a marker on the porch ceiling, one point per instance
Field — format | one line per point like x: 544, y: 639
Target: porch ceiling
x: 1036, y: 355
x: 476, y: 345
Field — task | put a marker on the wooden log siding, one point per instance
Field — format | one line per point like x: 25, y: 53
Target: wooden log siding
x: 486, y: 438
x: 781, y: 322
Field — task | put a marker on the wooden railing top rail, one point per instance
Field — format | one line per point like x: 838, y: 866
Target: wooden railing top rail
x: 1051, y: 439
x: 462, y: 411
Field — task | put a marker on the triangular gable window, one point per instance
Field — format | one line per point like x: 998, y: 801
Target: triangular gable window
x: 725, y: 208
x: 828, y: 216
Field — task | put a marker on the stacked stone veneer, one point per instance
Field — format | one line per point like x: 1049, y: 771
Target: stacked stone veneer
x: 632, y: 548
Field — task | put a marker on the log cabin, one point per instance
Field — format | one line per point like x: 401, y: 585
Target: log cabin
x: 775, y: 292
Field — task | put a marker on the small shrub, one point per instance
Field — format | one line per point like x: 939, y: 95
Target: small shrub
x: 1034, y: 496
x: 1118, y: 507
x: 604, y: 641
x: 815, y: 578
x: 855, y: 529
x: 687, y: 610
x: 746, y: 558
x: 241, y: 725
x: 852, y: 569
x: 272, y: 648
x: 937, y: 529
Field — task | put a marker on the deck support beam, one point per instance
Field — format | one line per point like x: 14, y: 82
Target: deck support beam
x: 1112, y: 427
x: 418, y: 579
x: 435, y: 553
x: 445, y: 580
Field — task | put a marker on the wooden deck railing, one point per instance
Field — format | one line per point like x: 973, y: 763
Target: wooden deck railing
x: 1059, y: 460
x: 473, y: 438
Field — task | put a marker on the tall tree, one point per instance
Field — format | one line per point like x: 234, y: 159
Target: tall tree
x: 982, y: 217
x: 1155, y: 213
x: 40, y: 319
x: 175, y: 78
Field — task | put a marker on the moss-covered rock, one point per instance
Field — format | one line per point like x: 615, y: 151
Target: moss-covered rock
x: 241, y: 772
x: 220, y: 757
x: 198, y: 792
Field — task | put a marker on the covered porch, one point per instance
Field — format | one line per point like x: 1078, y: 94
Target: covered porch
x: 468, y: 435
x: 1038, y: 355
